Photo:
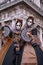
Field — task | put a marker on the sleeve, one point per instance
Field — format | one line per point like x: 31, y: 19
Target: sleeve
x: 39, y: 53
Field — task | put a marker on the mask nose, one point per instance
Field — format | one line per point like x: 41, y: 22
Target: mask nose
x: 29, y: 23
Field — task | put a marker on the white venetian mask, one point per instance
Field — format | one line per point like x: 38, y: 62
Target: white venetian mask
x: 29, y: 22
x: 18, y: 26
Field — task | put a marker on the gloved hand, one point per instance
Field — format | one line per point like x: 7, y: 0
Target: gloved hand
x: 34, y: 39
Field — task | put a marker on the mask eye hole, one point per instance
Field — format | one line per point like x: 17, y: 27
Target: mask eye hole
x: 30, y: 20
x: 18, y: 25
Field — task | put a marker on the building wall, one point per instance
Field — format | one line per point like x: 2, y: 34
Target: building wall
x: 37, y: 2
x: 41, y: 6
x: 20, y: 11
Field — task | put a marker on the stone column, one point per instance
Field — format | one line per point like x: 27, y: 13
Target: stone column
x: 3, y: 16
x: 6, y: 15
x: 37, y: 2
x: 13, y: 24
x: 41, y: 36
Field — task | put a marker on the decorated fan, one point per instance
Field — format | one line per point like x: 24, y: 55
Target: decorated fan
x: 24, y: 35
x: 6, y: 31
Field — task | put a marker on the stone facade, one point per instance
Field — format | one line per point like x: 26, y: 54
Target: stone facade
x: 21, y: 11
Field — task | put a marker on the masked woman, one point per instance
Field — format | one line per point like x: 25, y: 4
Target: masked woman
x: 22, y: 52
